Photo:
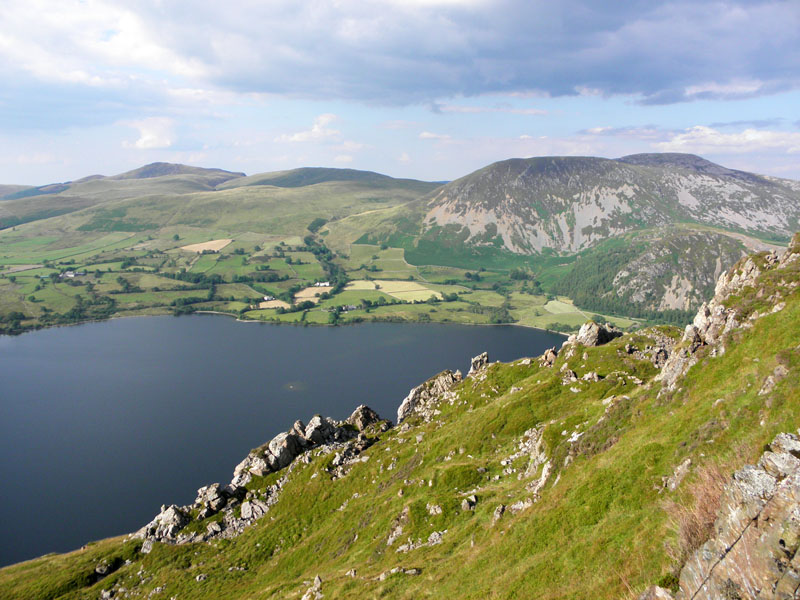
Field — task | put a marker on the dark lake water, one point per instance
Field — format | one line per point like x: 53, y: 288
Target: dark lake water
x: 102, y: 423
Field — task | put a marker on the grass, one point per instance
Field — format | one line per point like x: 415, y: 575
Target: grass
x: 597, y: 530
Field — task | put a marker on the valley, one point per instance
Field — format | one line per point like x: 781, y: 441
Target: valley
x: 173, y: 239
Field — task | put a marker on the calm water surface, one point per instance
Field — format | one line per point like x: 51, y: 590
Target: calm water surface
x: 102, y: 423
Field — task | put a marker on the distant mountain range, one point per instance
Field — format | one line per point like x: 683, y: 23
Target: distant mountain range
x: 629, y: 230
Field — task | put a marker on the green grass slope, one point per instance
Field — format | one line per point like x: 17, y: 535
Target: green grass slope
x: 585, y: 507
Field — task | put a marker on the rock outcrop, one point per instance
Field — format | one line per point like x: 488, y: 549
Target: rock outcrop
x: 423, y: 398
x: 347, y: 438
x: 753, y: 552
x: 478, y: 364
x: 715, y: 320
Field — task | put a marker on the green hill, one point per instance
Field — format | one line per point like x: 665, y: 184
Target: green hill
x: 571, y: 475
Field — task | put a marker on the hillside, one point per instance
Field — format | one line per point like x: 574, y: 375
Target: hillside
x: 593, y: 471
x: 571, y: 203
x: 655, y: 205
x: 547, y: 242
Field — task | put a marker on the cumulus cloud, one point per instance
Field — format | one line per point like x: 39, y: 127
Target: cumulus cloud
x: 319, y: 131
x: 154, y: 132
x: 706, y: 140
x: 397, y: 52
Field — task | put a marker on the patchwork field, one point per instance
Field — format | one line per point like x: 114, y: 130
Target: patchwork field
x: 408, y: 291
x: 213, y: 246
x: 271, y: 304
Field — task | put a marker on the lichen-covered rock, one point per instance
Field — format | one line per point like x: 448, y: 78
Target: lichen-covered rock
x: 423, y: 397
x: 753, y: 553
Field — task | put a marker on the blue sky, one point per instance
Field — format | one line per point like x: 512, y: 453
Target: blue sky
x: 431, y: 89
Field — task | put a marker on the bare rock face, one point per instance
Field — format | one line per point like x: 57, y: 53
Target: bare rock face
x: 422, y: 398
x: 595, y: 334
x: 753, y: 553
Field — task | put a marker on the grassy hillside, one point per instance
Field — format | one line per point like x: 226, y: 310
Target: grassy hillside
x: 140, y: 220
x: 582, y: 455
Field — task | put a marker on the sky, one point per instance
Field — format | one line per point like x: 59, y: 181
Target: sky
x: 427, y: 89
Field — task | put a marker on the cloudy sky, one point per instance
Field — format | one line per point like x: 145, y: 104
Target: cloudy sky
x: 431, y: 89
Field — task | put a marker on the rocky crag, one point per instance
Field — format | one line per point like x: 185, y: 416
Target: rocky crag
x: 238, y: 507
x: 554, y: 470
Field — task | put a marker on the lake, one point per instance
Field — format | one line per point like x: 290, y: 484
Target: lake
x: 101, y: 424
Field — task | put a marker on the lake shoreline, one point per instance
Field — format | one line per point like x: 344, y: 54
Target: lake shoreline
x: 300, y: 324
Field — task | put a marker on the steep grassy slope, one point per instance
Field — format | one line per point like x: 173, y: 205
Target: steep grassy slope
x: 581, y: 450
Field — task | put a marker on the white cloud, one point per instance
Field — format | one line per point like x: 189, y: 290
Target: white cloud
x: 706, y: 140
x: 427, y: 135
x: 343, y: 159
x: 154, y: 132
x: 730, y: 89
x: 404, y: 158
x: 319, y: 131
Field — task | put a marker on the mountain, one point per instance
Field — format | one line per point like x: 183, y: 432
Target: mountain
x: 176, y: 183
x: 599, y: 469
x: 307, y: 176
x: 162, y: 169
x: 567, y: 204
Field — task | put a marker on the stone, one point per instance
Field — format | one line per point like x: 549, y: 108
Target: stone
x: 672, y: 482
x: 284, y: 447
x: 478, y: 363
x: 498, y: 512
x: 213, y: 528
x: 548, y: 359
x: 201, y: 577
x: 412, y: 571
x: 434, y: 509
x: 421, y: 399
x: 595, y: 334
x: 363, y: 417
x: 211, y: 496
x: 351, y: 573
x: 320, y: 430
x: 656, y: 593
x: 786, y: 442
x: 469, y: 503
x: 147, y: 547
